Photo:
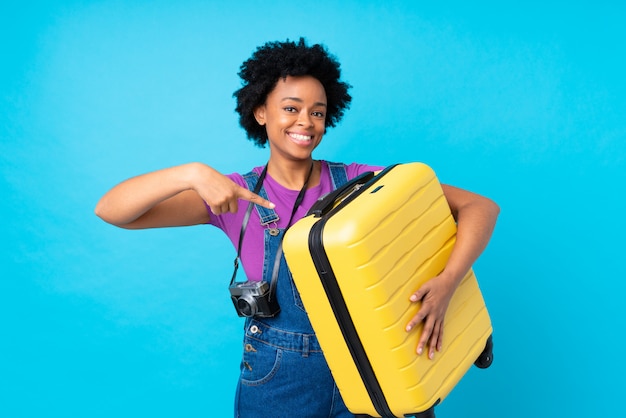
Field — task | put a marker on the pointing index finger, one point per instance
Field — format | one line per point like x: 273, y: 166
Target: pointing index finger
x: 255, y: 198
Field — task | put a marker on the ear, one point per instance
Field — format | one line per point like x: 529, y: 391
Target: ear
x: 259, y: 114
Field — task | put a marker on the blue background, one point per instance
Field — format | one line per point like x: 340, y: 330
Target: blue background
x: 523, y: 102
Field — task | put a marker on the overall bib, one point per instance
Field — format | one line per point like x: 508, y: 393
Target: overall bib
x: 283, y: 371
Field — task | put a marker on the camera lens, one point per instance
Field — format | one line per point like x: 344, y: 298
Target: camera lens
x: 247, y: 308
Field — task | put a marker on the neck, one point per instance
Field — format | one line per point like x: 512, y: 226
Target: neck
x: 294, y: 174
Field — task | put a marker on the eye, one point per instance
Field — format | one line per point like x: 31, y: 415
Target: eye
x: 290, y: 109
x: 318, y: 114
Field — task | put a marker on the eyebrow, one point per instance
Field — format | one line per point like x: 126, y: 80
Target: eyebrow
x: 297, y: 99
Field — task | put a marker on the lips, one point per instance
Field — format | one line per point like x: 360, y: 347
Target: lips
x: 300, y: 137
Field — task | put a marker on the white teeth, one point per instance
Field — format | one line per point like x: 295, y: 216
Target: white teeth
x: 301, y: 137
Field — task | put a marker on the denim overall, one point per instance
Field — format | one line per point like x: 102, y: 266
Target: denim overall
x: 283, y: 371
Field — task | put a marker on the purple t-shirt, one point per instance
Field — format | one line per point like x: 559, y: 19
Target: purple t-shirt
x: 252, y: 251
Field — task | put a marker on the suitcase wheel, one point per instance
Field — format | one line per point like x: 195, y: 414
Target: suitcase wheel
x: 486, y: 357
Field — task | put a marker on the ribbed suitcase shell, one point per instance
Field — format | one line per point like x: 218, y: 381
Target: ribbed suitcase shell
x: 382, y: 242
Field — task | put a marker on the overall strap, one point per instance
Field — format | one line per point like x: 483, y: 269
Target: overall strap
x: 338, y: 174
x: 267, y: 216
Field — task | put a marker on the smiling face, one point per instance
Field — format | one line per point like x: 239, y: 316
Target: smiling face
x: 294, y: 115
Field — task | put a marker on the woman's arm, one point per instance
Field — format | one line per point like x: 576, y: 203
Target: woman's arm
x: 476, y: 217
x: 172, y: 197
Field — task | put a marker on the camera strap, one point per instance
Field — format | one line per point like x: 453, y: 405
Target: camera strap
x: 244, y: 223
x: 246, y: 218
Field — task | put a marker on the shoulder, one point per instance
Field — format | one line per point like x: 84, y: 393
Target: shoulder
x: 240, y: 179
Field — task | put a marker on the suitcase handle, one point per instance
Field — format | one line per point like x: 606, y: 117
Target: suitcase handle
x: 325, y: 203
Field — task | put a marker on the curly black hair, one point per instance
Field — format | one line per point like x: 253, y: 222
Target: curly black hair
x: 276, y: 60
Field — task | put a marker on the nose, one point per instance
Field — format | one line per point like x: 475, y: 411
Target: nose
x: 304, y: 119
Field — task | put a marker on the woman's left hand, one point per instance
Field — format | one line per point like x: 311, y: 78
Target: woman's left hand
x: 434, y: 296
x: 476, y: 217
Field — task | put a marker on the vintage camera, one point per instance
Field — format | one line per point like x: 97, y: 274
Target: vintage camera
x: 253, y: 299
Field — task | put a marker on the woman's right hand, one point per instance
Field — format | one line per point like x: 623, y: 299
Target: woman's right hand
x: 173, y: 196
x: 221, y: 194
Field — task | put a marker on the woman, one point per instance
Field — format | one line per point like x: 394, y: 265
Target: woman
x: 291, y: 94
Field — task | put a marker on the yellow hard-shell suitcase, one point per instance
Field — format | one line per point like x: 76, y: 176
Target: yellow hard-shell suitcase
x: 356, y: 258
